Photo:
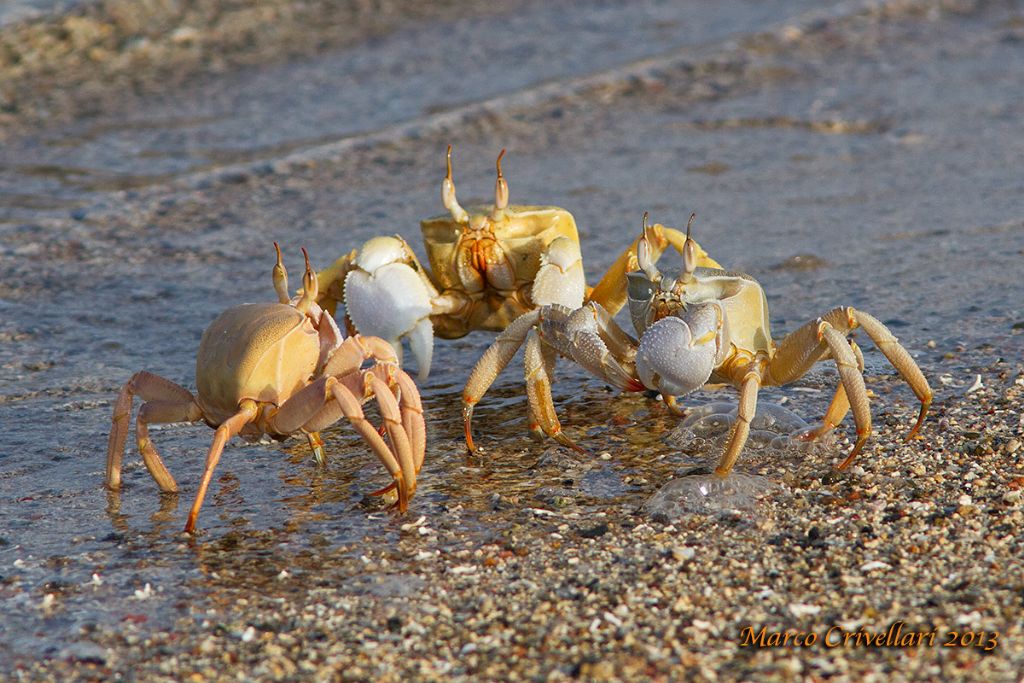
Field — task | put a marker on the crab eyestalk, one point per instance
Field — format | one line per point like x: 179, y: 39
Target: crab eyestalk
x: 643, y: 254
x: 280, y: 277
x: 310, y: 286
x: 500, y: 191
x: 448, y: 194
x: 689, y: 252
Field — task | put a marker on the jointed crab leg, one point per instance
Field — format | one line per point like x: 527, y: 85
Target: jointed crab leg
x: 402, y: 469
x: 174, y: 404
x: 794, y: 358
x: 490, y: 365
x: 840, y: 404
x: 539, y: 361
x: 588, y: 335
x: 812, y: 342
x: 741, y: 430
x: 354, y: 350
x: 248, y: 411
x: 853, y: 383
x: 331, y: 282
x: 161, y: 412
x: 316, y: 444
x: 412, y: 416
x: 323, y: 402
x: 851, y: 393
x: 900, y: 359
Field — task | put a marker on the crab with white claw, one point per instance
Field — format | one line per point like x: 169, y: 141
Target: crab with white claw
x: 278, y: 369
x: 699, y: 326
x: 488, y: 266
x: 591, y: 322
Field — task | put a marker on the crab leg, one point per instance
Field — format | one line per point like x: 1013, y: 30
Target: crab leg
x: 812, y: 342
x: 149, y: 387
x: 248, y: 410
x: 312, y: 410
x: 392, y: 415
x: 796, y: 354
x: 495, y: 358
x: 539, y: 361
x: 839, y: 406
x: 316, y: 444
x: 402, y: 469
x: 794, y: 359
x: 900, y: 359
x: 349, y: 357
x: 749, y: 387
x: 161, y: 412
x: 853, y: 382
x: 412, y: 417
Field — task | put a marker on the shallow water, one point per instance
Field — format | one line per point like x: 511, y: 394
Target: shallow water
x: 886, y: 155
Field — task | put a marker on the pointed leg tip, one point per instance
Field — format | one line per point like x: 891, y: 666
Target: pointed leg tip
x: 915, y: 430
x: 858, y: 447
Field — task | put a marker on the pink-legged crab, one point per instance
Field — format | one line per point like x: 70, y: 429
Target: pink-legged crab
x: 278, y: 369
x: 696, y: 326
x: 488, y: 266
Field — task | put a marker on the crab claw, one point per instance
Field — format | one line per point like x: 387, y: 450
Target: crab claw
x: 385, y: 297
x: 678, y: 353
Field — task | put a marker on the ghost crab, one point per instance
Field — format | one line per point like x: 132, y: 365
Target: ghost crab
x: 698, y: 326
x: 278, y: 369
x: 488, y: 266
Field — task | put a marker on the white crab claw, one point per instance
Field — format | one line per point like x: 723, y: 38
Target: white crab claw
x: 385, y: 297
x: 677, y: 354
x: 421, y: 341
x: 560, y: 278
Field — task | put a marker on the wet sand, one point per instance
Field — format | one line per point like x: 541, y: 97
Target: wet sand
x: 866, y: 155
